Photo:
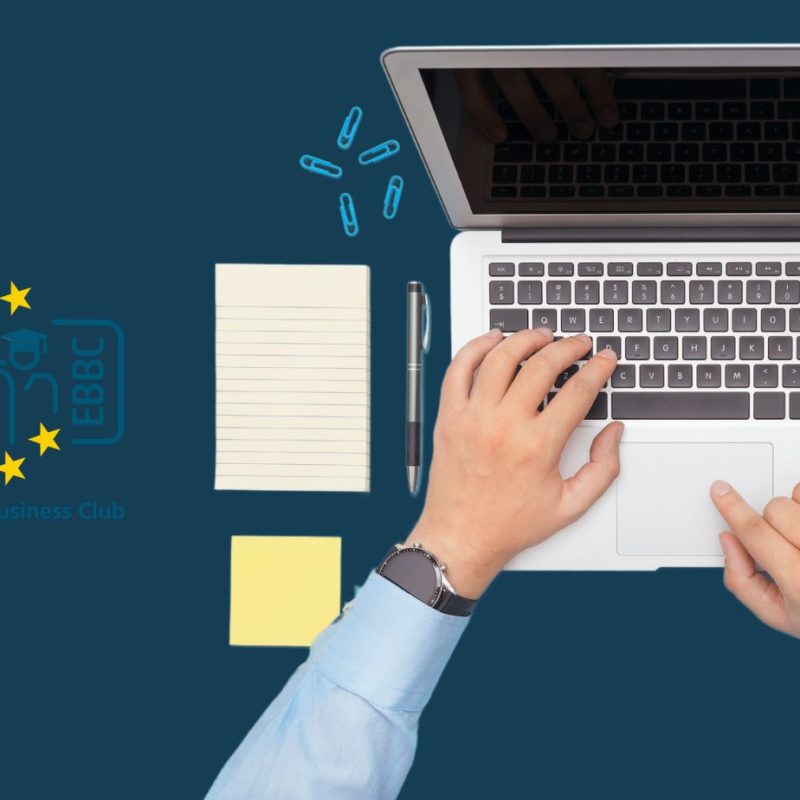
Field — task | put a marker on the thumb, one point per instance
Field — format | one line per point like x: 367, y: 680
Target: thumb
x: 590, y: 482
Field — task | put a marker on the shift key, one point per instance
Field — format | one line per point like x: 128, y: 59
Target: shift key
x: 680, y: 405
x: 508, y: 319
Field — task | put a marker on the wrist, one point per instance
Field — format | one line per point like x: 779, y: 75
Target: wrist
x: 469, y: 570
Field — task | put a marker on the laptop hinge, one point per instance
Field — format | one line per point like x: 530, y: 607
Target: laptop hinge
x: 652, y: 234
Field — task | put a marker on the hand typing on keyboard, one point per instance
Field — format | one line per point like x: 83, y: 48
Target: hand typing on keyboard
x: 772, y: 541
x: 495, y: 487
x: 561, y: 87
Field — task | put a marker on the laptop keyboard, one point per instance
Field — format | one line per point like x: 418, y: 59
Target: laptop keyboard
x: 697, y: 340
x: 697, y: 145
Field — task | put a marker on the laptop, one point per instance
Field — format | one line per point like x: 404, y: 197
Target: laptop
x: 649, y: 197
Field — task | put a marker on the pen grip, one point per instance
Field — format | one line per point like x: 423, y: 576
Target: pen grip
x: 412, y: 443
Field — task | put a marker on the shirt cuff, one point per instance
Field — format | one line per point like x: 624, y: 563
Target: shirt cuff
x: 389, y: 647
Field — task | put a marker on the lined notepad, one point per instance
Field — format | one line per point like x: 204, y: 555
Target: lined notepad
x: 293, y: 377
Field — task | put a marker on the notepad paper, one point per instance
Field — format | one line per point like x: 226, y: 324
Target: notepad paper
x: 293, y: 377
x: 284, y: 589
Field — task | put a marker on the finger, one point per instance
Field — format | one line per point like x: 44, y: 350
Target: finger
x: 796, y: 493
x: 600, y: 94
x: 538, y: 374
x: 499, y: 368
x: 589, y: 483
x: 749, y: 586
x: 459, y: 377
x: 562, y: 90
x: 774, y: 553
x: 519, y: 92
x: 573, y: 401
x: 783, y: 514
x: 478, y: 105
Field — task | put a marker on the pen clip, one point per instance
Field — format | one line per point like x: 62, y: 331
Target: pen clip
x: 426, y: 323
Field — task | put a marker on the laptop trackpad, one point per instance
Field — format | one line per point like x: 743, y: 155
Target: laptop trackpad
x: 663, y: 505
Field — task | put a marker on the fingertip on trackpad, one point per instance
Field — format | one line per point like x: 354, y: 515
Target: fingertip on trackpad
x: 663, y: 503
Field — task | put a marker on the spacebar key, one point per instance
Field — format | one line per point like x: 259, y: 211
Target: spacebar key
x: 680, y: 405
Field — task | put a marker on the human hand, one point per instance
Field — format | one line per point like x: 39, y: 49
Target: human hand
x: 562, y: 86
x: 772, y: 541
x: 495, y: 487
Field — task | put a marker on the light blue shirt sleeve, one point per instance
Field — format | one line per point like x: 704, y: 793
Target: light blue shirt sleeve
x: 345, y: 725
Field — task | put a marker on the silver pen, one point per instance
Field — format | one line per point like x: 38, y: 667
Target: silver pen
x: 417, y: 340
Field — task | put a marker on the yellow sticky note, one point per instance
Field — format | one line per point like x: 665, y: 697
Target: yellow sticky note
x: 284, y: 589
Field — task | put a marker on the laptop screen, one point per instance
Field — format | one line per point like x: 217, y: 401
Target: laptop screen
x: 621, y: 140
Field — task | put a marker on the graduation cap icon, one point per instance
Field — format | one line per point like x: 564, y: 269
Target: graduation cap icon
x: 28, y: 344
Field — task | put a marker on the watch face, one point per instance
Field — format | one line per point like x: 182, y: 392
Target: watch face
x: 415, y: 571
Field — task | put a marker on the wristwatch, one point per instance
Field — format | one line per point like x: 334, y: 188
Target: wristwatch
x: 419, y: 573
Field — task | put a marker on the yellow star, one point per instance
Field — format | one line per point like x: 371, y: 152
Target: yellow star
x: 46, y: 439
x: 16, y: 297
x: 11, y: 468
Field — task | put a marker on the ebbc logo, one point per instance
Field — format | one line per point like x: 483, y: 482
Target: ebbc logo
x: 64, y: 384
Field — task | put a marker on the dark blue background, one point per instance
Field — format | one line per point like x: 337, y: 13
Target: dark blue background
x: 141, y: 144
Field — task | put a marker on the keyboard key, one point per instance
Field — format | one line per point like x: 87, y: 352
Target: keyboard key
x: 616, y: 173
x: 590, y: 269
x: 687, y: 320
x: 673, y: 292
x: 543, y: 318
x: 665, y: 348
x: 624, y: 377
x: 794, y: 319
x: 621, y: 269
x: 709, y: 376
x: 790, y: 377
x: 695, y: 348
x: 638, y: 131
x: 768, y: 268
x: 564, y: 376
x: 588, y: 173
x: 780, y: 348
x: 715, y: 320
x: 659, y: 320
x: 601, y: 320
x: 770, y: 151
x: 562, y: 191
x: 501, y: 292
x: 504, y: 173
x: 508, y: 319
x: 560, y: 269
x: 645, y: 173
x: 729, y: 292
x: 576, y: 151
x: 573, y: 320
x: 680, y: 405
x: 745, y: 320
x: 787, y: 292
x: 501, y: 269
x: 629, y: 320
x: 599, y: 409
x: 559, y: 293
x: 529, y: 293
x: 533, y: 191
x: 687, y: 151
x: 587, y: 292
x: 591, y: 191
x: 715, y: 151
x: 793, y: 267
x: 631, y: 152
x: 679, y: 111
x: 644, y: 292
x: 751, y: 348
x: 651, y: 376
x: 533, y: 173
x: 769, y: 405
x: 546, y: 153
x: 637, y: 348
x: 765, y: 87
x: 504, y: 191
x: 723, y: 348
x: 649, y: 268
x: 679, y: 376
x: 737, y: 376
x: 679, y: 268
x: 773, y: 320
x: 784, y: 173
x: 603, y: 152
x: 620, y: 191
x: 610, y: 343
x: 794, y: 405
x: 734, y: 110
x: 531, y: 269
x: 709, y: 268
x: 738, y: 269
x: 701, y: 292
x: 765, y: 376
x: 759, y: 292
x: 513, y: 153
x: 560, y: 173
x: 690, y: 132
x: 615, y: 292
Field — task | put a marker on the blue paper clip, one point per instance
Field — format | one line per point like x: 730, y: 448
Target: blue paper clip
x: 392, y: 197
x: 347, y: 210
x: 349, y: 128
x: 379, y: 152
x: 320, y: 166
